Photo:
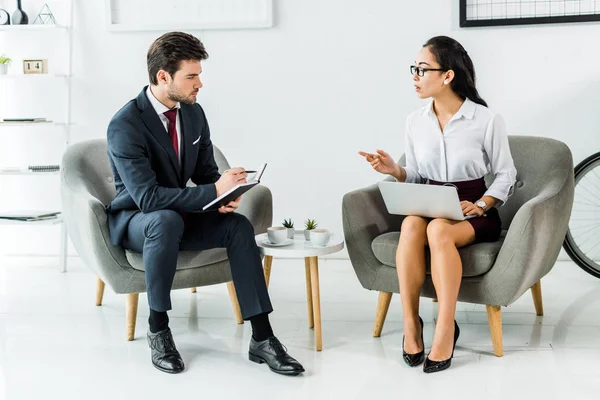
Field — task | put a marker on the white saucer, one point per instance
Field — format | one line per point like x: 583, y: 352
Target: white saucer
x: 287, y: 242
x: 310, y: 244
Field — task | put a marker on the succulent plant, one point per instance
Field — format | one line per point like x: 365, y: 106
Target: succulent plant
x: 310, y: 224
x: 4, y: 59
x: 288, y: 223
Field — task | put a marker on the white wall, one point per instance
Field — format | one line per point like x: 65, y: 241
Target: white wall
x: 332, y: 78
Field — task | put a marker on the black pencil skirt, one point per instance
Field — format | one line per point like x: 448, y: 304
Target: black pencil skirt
x: 487, y: 228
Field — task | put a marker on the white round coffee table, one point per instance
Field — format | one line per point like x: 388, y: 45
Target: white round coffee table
x: 300, y: 248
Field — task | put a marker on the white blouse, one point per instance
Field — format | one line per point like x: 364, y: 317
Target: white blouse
x: 473, y: 144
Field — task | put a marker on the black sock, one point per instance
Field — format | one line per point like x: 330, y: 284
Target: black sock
x: 261, y: 327
x: 158, y: 321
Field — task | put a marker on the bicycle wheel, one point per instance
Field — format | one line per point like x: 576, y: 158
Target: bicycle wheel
x: 582, y: 242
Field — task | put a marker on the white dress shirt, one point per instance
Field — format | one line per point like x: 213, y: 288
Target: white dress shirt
x: 160, y: 109
x: 473, y: 144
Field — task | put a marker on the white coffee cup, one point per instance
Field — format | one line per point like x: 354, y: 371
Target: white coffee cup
x: 320, y: 237
x: 277, y: 234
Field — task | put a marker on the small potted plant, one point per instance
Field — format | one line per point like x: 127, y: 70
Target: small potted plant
x: 310, y: 224
x: 4, y: 62
x: 289, y: 224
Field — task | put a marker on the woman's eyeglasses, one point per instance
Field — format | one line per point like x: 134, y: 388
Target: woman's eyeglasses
x: 421, y: 71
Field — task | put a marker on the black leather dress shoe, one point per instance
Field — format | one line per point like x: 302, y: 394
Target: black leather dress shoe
x: 437, y: 366
x: 274, y: 354
x: 417, y: 358
x: 165, y: 356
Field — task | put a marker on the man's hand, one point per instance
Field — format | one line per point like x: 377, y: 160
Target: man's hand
x: 231, y: 206
x: 229, y: 179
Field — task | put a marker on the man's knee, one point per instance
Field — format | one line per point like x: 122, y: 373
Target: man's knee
x: 165, y: 223
x: 239, y: 225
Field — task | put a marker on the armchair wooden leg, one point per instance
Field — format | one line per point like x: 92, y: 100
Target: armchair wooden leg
x: 267, y: 267
x: 234, y: 303
x: 131, y: 314
x: 193, y: 290
x: 383, y: 304
x: 536, y: 292
x: 99, y: 291
x: 495, y: 320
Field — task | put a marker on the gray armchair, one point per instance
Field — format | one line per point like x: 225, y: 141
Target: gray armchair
x: 87, y: 186
x: 535, y: 220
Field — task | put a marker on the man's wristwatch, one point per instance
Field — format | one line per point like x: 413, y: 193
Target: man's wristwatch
x: 481, y: 204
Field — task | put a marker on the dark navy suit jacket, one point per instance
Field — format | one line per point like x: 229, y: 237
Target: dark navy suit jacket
x: 146, y: 170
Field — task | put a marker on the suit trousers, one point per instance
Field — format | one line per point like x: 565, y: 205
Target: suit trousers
x: 160, y: 235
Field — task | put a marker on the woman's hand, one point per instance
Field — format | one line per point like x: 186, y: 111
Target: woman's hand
x: 381, y: 162
x: 469, y: 208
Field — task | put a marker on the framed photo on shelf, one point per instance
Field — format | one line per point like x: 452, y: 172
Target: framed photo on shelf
x: 476, y: 13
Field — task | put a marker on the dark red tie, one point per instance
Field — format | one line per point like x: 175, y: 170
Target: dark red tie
x: 172, y: 116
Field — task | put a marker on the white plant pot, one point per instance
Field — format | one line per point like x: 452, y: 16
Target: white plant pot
x: 3, y: 69
x: 290, y: 233
x: 307, y: 235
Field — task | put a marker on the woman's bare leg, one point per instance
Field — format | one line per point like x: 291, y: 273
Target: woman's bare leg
x: 410, y: 265
x: 445, y: 237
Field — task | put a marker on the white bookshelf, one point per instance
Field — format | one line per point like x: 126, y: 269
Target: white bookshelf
x: 33, y: 77
x: 32, y: 124
x: 31, y: 27
x: 49, y: 221
x: 27, y: 172
x: 38, y: 128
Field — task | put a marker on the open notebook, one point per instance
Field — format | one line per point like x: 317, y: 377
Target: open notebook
x: 236, y: 191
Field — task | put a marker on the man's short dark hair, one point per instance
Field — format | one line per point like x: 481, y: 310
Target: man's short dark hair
x: 170, y: 49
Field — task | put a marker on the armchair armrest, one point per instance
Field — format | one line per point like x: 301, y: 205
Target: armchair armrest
x: 257, y: 206
x: 86, y: 221
x: 365, y: 217
x: 533, y: 240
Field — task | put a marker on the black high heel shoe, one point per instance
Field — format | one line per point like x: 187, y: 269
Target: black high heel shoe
x: 414, y: 359
x: 437, y: 366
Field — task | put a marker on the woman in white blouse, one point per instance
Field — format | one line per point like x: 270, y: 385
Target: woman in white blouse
x: 455, y: 139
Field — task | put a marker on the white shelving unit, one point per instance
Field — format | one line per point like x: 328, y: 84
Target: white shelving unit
x: 32, y: 27
x: 40, y: 79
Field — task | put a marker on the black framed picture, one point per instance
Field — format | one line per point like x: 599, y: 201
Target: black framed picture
x: 524, y: 12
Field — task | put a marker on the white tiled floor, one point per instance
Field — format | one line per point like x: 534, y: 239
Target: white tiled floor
x: 54, y: 343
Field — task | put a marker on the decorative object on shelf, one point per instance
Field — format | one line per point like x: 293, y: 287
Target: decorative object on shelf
x: 35, y: 66
x: 310, y: 224
x: 44, y: 168
x: 289, y: 224
x: 4, y: 63
x: 19, y: 16
x: 45, y: 17
x: 4, y: 17
x: 525, y: 12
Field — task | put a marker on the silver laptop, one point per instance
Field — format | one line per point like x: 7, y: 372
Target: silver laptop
x: 424, y: 200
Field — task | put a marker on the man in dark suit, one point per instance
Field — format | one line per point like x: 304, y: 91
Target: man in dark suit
x: 156, y: 143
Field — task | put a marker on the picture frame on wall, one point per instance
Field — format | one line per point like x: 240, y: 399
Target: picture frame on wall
x: 478, y: 13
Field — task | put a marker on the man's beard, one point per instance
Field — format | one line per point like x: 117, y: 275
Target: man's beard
x: 174, y: 95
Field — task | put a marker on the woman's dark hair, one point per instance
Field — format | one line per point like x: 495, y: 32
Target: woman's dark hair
x: 169, y: 50
x: 451, y: 55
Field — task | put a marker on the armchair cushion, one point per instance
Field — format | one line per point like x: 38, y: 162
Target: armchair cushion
x: 477, y: 259
x: 185, y: 259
